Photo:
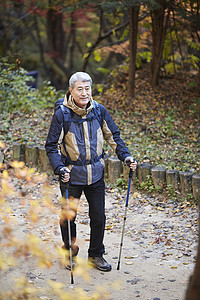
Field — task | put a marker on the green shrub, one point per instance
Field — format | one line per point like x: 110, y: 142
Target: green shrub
x: 16, y: 95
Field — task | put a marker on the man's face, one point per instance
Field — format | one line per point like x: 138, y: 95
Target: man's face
x: 81, y: 93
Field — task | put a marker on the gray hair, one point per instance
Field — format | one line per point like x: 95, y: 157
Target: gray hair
x: 79, y: 76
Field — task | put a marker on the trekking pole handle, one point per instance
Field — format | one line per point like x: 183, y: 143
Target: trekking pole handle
x: 128, y: 163
x: 62, y: 172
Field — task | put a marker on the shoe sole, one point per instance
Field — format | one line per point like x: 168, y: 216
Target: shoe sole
x: 104, y: 270
x: 99, y: 268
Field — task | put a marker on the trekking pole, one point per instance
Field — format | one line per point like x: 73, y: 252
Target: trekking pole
x: 70, y: 238
x: 126, y: 206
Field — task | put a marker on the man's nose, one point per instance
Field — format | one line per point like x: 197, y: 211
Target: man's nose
x: 84, y: 92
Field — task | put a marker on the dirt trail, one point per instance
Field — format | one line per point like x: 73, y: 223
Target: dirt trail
x: 157, y: 258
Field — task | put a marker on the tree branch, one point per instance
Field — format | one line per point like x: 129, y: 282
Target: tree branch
x: 18, y: 20
x: 100, y: 38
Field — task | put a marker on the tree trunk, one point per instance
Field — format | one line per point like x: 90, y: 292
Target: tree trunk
x: 134, y: 12
x: 159, y: 19
x: 56, y: 44
x: 73, y: 42
x: 193, y: 290
x: 198, y: 83
x: 55, y: 33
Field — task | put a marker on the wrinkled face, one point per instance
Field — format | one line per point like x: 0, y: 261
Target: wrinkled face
x: 81, y: 93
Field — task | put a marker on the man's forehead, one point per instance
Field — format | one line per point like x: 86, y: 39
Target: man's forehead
x: 82, y: 83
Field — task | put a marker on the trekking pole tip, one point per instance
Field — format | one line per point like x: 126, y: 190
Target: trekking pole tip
x: 72, y: 279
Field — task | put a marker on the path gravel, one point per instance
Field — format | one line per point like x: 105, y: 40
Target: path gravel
x: 157, y: 259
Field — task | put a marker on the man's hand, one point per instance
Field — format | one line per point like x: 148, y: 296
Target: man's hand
x: 64, y: 174
x: 131, y: 162
x: 133, y: 165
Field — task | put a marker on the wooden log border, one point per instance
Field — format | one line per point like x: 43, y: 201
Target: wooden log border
x: 184, y: 182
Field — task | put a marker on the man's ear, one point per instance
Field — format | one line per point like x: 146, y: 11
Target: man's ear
x: 70, y: 89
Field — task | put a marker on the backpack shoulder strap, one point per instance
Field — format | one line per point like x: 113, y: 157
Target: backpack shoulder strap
x: 66, y: 110
x: 57, y: 104
x: 97, y: 111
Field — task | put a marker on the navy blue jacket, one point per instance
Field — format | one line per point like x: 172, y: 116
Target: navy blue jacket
x: 76, y: 138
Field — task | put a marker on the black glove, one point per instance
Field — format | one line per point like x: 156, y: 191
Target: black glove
x: 62, y: 172
x: 128, y: 160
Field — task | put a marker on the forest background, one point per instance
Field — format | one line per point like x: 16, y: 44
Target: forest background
x: 143, y: 56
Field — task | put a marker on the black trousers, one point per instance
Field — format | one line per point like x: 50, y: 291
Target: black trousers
x: 95, y: 195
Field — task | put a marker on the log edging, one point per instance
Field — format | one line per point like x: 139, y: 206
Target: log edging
x: 184, y: 183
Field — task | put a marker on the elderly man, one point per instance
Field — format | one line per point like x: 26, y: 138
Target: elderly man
x: 81, y: 124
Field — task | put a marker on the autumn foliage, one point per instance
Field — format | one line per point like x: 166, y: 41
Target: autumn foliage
x: 31, y: 193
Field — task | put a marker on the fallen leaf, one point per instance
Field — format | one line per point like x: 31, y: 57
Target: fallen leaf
x: 160, y: 208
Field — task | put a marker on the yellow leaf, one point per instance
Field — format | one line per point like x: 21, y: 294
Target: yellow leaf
x: 6, y: 188
x: 97, y: 56
x: 31, y: 171
x: 21, y: 282
x: 2, y: 145
x: 108, y: 227
x: 40, y: 177
x: 56, y: 285
x: 1, y: 165
x: 160, y: 208
x: 35, y: 203
x: 5, y: 174
x: 6, y: 219
x: 67, y: 214
x: 85, y: 55
x: 44, y: 263
x: 82, y: 268
x: 73, y: 205
x: 21, y: 173
x: 17, y: 164
x: 8, y: 210
x: 6, y: 261
x: 62, y: 252
x: 129, y: 143
x: 173, y: 267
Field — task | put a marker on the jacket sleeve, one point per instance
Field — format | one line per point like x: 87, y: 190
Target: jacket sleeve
x: 111, y: 134
x: 51, y: 145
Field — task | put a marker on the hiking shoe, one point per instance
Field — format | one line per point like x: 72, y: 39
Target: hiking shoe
x: 100, y: 263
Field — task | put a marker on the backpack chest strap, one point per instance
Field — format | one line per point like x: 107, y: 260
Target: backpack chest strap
x: 83, y: 162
